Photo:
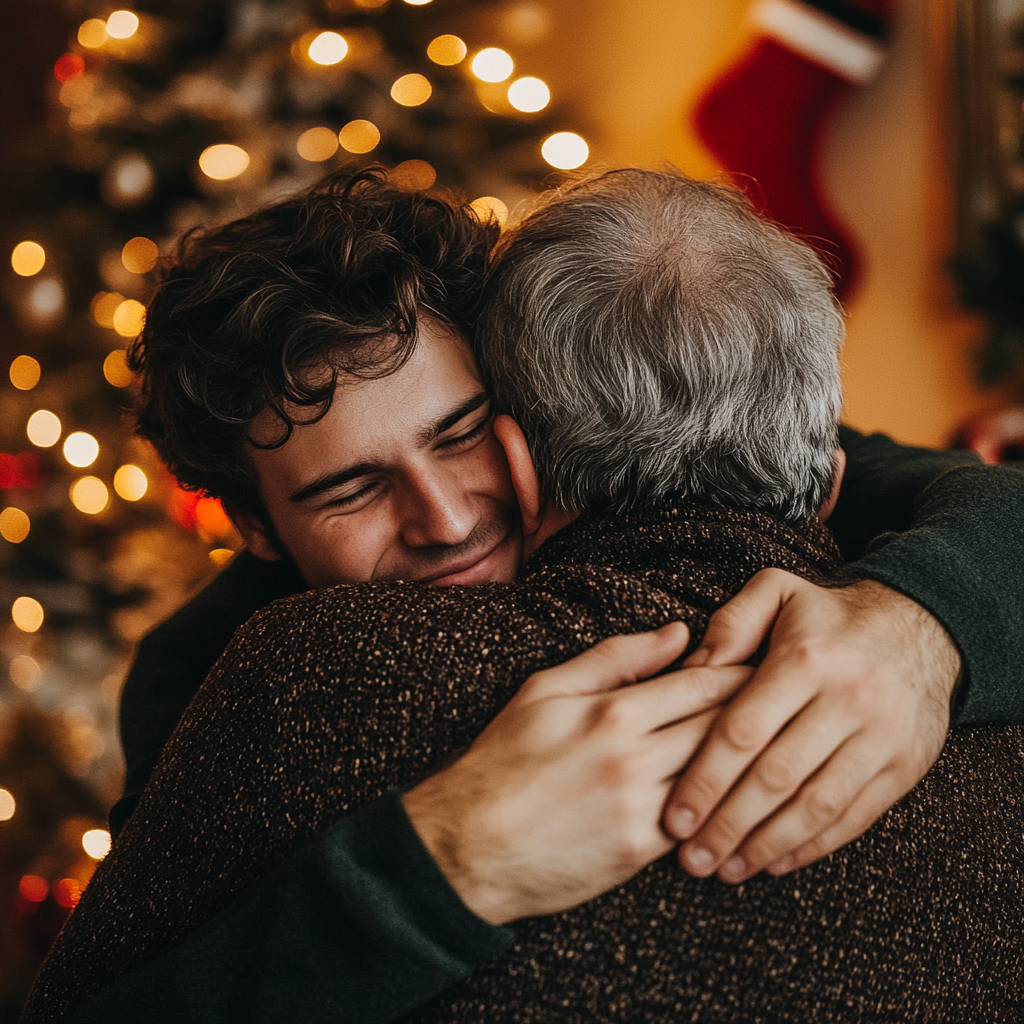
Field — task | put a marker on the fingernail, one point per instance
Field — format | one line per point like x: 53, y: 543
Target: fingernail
x: 699, y: 860
x: 700, y: 657
x: 782, y: 866
x: 733, y: 869
x: 684, y: 822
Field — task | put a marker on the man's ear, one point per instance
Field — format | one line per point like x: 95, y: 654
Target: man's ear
x: 524, y: 476
x: 256, y: 535
x: 839, y: 460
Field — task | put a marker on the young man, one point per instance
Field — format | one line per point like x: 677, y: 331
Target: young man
x: 394, y: 630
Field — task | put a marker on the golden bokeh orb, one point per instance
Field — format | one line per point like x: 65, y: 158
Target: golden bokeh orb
x: 43, y: 428
x: 14, y: 525
x: 488, y: 207
x: 139, y: 255
x: 104, y: 306
x: 359, y: 136
x: 25, y: 672
x: 130, y: 482
x: 565, y: 150
x: 27, y: 614
x: 447, y: 50
x: 129, y: 318
x: 92, y: 34
x: 492, y: 65
x: 317, y: 144
x: 221, y: 556
x: 223, y: 161
x: 115, y: 369
x: 417, y: 3
x: 328, y: 49
x: 122, y: 25
x: 529, y: 95
x: 7, y: 805
x: 89, y: 494
x: 25, y: 373
x: 81, y: 449
x: 96, y: 843
x: 411, y: 90
x: 28, y: 258
x: 414, y: 175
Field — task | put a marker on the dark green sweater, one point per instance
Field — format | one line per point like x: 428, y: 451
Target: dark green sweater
x: 289, y: 939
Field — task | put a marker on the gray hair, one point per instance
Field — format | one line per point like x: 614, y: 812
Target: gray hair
x: 652, y: 334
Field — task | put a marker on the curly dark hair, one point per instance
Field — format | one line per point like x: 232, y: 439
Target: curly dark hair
x: 248, y: 313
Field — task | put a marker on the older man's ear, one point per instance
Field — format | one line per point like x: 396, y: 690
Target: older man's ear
x: 524, y: 476
x: 839, y: 460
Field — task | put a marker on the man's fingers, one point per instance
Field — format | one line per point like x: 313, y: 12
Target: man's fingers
x: 739, y: 627
x: 615, y: 662
x: 665, y: 700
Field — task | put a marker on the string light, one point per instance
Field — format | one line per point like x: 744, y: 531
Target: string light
x: 28, y: 258
x: 122, y: 25
x: 565, y: 150
x: 529, y: 95
x: 411, y: 90
x: 96, y: 843
x: 67, y: 892
x: 115, y: 369
x: 487, y: 207
x: 14, y: 525
x: 370, y: 5
x: 46, y: 300
x: 27, y: 614
x: 492, y: 65
x: 221, y: 556
x: 223, y: 161
x: 414, y: 175
x: 7, y: 805
x: 25, y: 373
x: 447, y: 50
x: 417, y: 3
x: 43, y: 428
x: 359, y: 136
x: 104, y: 306
x: 68, y: 66
x: 328, y: 49
x: 130, y: 482
x: 25, y: 672
x: 317, y: 144
x: 129, y: 318
x: 33, y: 888
x: 92, y: 34
x: 81, y: 449
x: 139, y: 255
x: 89, y: 494
x: 129, y: 181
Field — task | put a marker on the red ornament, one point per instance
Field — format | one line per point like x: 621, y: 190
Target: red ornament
x: 68, y: 66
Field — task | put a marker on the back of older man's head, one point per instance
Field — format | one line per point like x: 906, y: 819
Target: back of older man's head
x: 653, y: 335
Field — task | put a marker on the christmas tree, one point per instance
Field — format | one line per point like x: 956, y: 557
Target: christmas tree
x: 164, y: 117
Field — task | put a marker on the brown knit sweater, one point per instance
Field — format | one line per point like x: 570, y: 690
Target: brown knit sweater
x: 326, y: 700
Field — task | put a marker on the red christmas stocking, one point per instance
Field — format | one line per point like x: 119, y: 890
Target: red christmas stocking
x: 764, y: 118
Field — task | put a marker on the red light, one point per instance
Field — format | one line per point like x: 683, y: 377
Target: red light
x: 69, y: 66
x: 33, y: 888
x: 19, y: 470
x: 68, y: 892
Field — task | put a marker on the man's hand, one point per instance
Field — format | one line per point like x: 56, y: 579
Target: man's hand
x: 561, y: 797
x: 846, y: 714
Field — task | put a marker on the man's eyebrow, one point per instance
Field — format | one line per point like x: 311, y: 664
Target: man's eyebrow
x: 436, y: 429
x: 331, y: 480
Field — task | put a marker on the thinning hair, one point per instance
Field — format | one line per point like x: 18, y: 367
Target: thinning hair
x: 652, y: 334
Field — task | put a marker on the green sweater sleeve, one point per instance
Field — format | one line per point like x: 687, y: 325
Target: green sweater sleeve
x: 358, y: 926
x: 948, y: 532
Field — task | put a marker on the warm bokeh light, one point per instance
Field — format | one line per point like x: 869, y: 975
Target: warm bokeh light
x: 317, y: 144
x: 68, y: 66
x: 447, y: 50
x: 487, y: 207
x: 89, y: 494
x: 411, y: 90
x: 115, y: 369
x: 370, y: 5
x: 14, y: 525
x: 43, y: 428
x: 96, y: 843
x: 46, y: 299
x: 223, y: 161
x: 67, y: 892
x: 7, y: 805
x: 414, y: 175
x: 130, y: 482
x: 93, y: 33
x: 139, y: 255
x: 529, y: 95
x: 327, y: 49
x: 27, y: 614
x: 211, y: 518
x: 359, y: 136
x: 565, y: 150
x: 104, y: 306
x: 81, y: 449
x: 122, y: 25
x: 417, y: 3
x: 221, y: 556
x: 128, y: 181
x: 28, y: 258
x: 129, y: 318
x: 492, y: 65
x: 25, y: 373
x: 33, y: 888
x: 25, y: 672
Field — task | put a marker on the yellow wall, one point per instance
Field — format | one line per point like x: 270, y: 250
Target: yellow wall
x: 632, y: 69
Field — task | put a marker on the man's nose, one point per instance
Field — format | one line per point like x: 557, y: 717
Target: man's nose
x: 437, y: 509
